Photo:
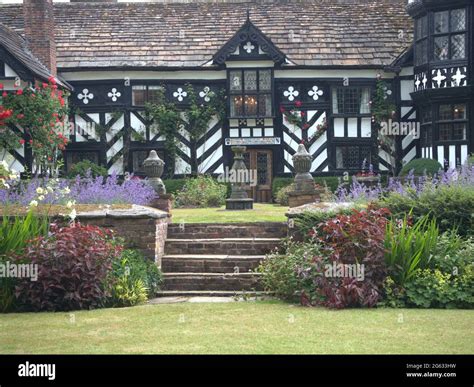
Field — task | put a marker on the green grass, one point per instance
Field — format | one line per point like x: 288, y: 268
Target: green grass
x: 261, y: 213
x: 264, y: 327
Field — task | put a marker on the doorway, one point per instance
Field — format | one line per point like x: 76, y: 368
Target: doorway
x: 260, y: 160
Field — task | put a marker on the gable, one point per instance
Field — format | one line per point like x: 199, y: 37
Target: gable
x: 248, y: 43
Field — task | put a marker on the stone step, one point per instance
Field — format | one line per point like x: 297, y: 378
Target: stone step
x: 193, y: 263
x: 227, y: 230
x: 211, y: 293
x: 231, y: 246
x: 212, y: 281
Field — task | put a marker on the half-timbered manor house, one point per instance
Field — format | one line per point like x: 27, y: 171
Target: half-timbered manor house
x: 265, y: 55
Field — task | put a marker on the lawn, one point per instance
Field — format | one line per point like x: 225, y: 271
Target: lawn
x: 263, y: 327
x: 261, y: 213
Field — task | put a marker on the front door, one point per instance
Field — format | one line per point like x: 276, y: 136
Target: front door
x: 261, y: 161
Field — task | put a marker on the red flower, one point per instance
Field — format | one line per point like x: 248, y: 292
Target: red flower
x: 22, y: 141
x: 45, y: 85
x: 282, y: 109
x: 20, y: 116
x: 4, y: 94
x: 31, y: 142
x: 1, y: 86
x: 52, y: 80
x: 298, y: 104
x: 61, y: 101
x: 305, y: 126
x: 303, y: 114
x: 19, y: 92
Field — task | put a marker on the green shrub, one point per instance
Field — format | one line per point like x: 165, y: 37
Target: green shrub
x: 451, y: 206
x: 202, y: 191
x: 306, y: 221
x: 279, y: 183
x: 173, y: 186
x: 434, y: 289
x: 15, y: 235
x: 421, y: 167
x: 409, y: 248
x: 282, y: 197
x: 332, y: 182
x: 470, y: 159
x: 82, y: 168
x: 280, y: 269
x: 133, y: 265
x: 129, y: 292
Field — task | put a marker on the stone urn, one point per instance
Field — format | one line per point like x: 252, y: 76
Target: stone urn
x: 153, y: 167
x: 239, y: 199
x: 302, y: 160
x: 305, y: 189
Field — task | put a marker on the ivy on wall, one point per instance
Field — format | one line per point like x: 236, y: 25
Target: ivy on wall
x: 194, y: 118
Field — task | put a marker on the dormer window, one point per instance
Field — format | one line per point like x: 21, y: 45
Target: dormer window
x: 449, y: 35
x: 250, y: 93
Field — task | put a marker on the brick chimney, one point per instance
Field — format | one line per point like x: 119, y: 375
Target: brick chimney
x: 39, y: 31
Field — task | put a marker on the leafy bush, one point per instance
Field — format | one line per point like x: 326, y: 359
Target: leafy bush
x: 356, y: 239
x: 129, y: 292
x: 87, y: 168
x: 450, y: 205
x: 306, y: 221
x: 282, y: 196
x: 15, y: 234
x: 173, y: 186
x: 409, y: 247
x: 133, y: 265
x: 421, y: 167
x: 74, y: 264
x: 202, y: 191
x: 332, y: 182
x: 435, y: 289
x: 280, y: 269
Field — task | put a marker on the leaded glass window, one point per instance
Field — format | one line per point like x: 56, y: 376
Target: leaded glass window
x: 351, y: 100
x: 421, y: 37
x: 449, y: 40
x: 141, y: 94
x: 452, y: 122
x: 352, y: 157
x: 250, y: 93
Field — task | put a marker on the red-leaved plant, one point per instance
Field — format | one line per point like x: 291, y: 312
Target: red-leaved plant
x: 349, y: 240
x: 74, y: 266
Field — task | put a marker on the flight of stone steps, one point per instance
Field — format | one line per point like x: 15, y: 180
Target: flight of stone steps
x: 217, y: 259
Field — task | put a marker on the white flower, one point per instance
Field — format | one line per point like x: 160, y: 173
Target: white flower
x: 66, y: 190
x: 70, y: 203
x: 13, y: 176
x: 50, y: 189
x: 73, y: 214
x: 33, y: 203
x: 41, y: 198
x: 5, y: 165
x: 39, y: 190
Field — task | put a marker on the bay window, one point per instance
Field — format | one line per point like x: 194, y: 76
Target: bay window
x: 250, y: 93
x: 452, y: 122
x: 449, y: 34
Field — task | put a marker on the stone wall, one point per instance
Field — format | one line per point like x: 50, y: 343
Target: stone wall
x: 143, y: 228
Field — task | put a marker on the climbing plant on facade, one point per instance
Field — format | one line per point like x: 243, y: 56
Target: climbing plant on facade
x: 194, y: 117
x: 36, y: 117
x: 383, y: 110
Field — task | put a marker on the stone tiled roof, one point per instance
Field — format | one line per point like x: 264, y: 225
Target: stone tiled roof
x: 16, y: 46
x: 310, y: 33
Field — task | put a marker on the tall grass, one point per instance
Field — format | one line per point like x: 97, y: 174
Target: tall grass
x: 409, y: 248
x: 15, y: 234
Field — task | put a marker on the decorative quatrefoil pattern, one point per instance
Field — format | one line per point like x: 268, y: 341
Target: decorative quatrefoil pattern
x: 85, y: 96
x: 315, y: 92
x: 205, y: 94
x: 180, y: 94
x: 291, y: 93
x: 114, y: 94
